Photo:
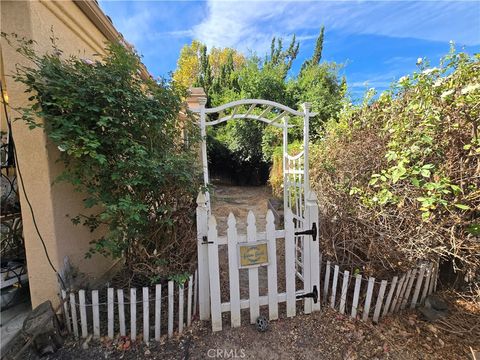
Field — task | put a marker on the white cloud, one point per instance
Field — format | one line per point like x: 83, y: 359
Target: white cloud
x: 251, y: 24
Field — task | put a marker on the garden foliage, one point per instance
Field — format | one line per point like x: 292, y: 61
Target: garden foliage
x: 119, y: 136
x: 248, y: 146
x: 398, y: 176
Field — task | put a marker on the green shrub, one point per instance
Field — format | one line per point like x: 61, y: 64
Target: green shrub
x: 398, y: 176
x: 119, y: 138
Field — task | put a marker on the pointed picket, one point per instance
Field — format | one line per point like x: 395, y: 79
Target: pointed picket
x: 397, y: 294
x: 146, y: 315
x: 171, y: 305
x: 203, y: 262
x: 215, y: 300
x: 96, y: 314
x: 343, y: 295
x: 409, y: 289
x: 189, y: 300
x: 133, y: 314
x: 272, y: 267
x: 233, y: 271
x: 326, y: 282
x: 290, y: 262
x: 253, y: 290
x: 158, y: 310
x: 368, y: 299
x: 110, y: 312
x: 65, y: 311
x: 418, y: 285
x: 356, y: 295
x: 121, y: 312
x: 74, y: 314
x: 378, y: 304
x: 83, y: 313
x: 390, y: 296
x: 334, y: 287
x: 181, y: 307
x: 402, y: 292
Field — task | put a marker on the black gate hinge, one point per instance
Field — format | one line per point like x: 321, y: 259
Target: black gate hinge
x: 313, y: 294
x: 312, y: 231
x: 205, y: 241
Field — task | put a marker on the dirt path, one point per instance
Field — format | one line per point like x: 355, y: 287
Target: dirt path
x: 239, y: 200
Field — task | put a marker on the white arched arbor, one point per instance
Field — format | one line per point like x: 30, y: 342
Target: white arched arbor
x: 295, y: 167
x: 296, y: 184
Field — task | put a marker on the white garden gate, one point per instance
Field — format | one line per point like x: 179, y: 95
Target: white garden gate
x: 253, y: 250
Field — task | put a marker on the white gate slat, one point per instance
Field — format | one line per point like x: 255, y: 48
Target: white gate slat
x: 96, y: 314
x: 418, y: 285
x: 343, y: 296
x: 121, y: 312
x: 397, y: 294
x: 253, y: 291
x: 83, y: 313
x: 334, y: 287
x: 356, y: 295
x: 409, y: 288
x: 272, y: 267
x: 146, y: 314
x: 74, y: 314
x: 233, y: 271
x: 326, y: 282
x: 215, y: 300
x: 181, y: 304
x: 170, y: 308
x: 427, y: 282
x: 189, y: 300
x: 290, y: 263
x: 133, y: 314
x: 378, y: 304
x: 158, y: 310
x: 390, y: 295
x: 65, y: 311
x: 402, y: 291
x: 368, y: 299
x: 195, y: 292
x: 436, y: 277
x: 203, y: 261
x: 110, y: 312
x: 312, y: 213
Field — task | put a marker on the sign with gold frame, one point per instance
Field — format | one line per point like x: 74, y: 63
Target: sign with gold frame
x: 252, y: 254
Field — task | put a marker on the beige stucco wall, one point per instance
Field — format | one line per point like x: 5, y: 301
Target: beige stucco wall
x: 37, y: 157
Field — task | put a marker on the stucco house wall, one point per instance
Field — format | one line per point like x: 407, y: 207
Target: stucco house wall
x: 81, y: 29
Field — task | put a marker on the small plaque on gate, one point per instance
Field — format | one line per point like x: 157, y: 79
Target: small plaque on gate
x: 253, y: 254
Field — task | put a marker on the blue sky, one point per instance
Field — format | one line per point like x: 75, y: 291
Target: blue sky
x: 377, y: 41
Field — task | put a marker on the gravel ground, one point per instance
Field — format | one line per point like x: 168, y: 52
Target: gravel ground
x: 322, y: 335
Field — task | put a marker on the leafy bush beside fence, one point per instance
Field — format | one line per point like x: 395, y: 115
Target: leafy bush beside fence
x: 119, y: 137
x: 398, y: 177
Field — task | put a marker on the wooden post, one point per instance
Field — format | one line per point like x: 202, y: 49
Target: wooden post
x: 202, y: 250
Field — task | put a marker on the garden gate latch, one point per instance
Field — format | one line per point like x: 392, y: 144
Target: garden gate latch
x: 312, y: 231
x: 313, y: 294
x: 205, y: 241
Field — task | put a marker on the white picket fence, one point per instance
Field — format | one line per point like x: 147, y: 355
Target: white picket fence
x: 366, y: 298
x: 353, y: 294
x: 85, y: 315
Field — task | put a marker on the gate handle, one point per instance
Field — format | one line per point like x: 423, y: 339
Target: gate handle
x: 313, y: 294
x: 312, y: 231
